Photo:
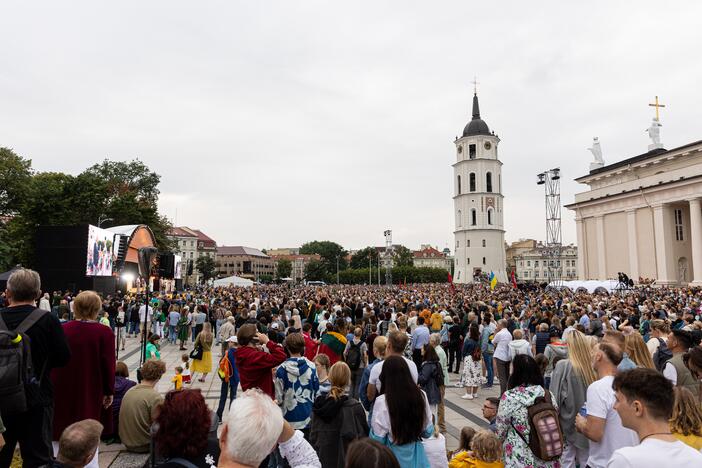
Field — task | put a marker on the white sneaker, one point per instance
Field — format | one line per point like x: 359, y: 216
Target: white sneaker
x: 467, y: 396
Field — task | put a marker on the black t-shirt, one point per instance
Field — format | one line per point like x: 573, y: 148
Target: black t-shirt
x: 48, y: 344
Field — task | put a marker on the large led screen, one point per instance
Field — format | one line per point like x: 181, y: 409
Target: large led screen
x: 100, y: 255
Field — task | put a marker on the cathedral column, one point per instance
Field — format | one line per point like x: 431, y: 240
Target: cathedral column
x: 601, y: 248
x: 633, y: 245
x: 696, y: 240
x: 580, y: 230
x: 663, y: 239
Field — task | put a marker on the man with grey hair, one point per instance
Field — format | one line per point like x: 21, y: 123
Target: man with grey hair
x: 32, y: 428
x: 78, y: 444
x: 254, y: 427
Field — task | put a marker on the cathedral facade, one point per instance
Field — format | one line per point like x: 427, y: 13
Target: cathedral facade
x: 478, y: 203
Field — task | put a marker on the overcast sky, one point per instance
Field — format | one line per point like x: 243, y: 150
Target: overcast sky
x: 275, y: 123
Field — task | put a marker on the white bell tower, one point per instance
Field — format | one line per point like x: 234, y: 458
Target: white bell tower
x: 478, y: 203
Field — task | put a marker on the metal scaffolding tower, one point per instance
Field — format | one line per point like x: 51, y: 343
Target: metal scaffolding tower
x: 551, y: 180
x: 388, y: 257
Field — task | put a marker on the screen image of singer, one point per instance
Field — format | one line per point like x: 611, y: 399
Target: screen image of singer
x: 100, y: 252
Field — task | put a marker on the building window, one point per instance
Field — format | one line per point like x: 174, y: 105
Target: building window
x: 489, y: 212
x: 528, y: 263
x: 471, y: 181
x: 484, y: 243
x: 488, y: 182
x: 473, y: 217
x: 456, y: 244
x: 458, y: 219
x: 459, y: 185
x: 471, y: 151
x: 468, y: 243
x: 483, y: 260
x: 678, y: 225
x: 526, y: 274
x: 468, y: 261
x: 536, y: 263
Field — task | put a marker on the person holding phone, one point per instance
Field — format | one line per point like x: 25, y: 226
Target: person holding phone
x: 255, y: 365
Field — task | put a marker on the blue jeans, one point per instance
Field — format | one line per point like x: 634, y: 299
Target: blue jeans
x: 226, y: 388
x: 172, y: 335
x: 487, y: 359
x: 133, y: 328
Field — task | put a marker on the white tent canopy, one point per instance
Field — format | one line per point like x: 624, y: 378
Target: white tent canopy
x: 233, y: 281
x: 590, y: 285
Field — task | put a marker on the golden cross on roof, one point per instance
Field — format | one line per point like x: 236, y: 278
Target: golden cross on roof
x: 657, y: 105
x: 475, y: 85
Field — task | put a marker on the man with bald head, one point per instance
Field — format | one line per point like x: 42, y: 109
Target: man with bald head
x: 78, y: 444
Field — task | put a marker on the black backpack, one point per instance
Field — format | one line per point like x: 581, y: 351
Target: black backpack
x: 662, y: 355
x: 353, y: 357
x: 17, y: 376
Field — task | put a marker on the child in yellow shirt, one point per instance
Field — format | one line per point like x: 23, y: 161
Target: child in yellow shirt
x: 178, y: 378
x: 485, y: 452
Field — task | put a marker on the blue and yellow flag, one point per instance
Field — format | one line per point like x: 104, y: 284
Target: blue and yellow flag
x: 493, y: 280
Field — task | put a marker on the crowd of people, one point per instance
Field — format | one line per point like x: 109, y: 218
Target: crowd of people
x: 351, y: 376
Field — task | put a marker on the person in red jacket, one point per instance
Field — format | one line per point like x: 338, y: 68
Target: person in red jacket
x: 255, y: 365
x: 311, y: 345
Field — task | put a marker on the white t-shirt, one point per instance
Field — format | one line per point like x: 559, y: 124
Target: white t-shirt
x: 653, y: 345
x: 380, y: 423
x: 374, y: 378
x: 670, y: 373
x: 600, y: 403
x: 435, y: 450
x: 142, y: 312
x: 501, y: 342
x: 655, y: 453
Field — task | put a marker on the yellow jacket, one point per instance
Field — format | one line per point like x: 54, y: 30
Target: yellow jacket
x: 463, y: 460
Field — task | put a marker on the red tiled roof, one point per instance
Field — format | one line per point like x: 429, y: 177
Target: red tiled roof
x: 207, y: 241
x: 303, y: 257
x: 181, y: 232
x: 429, y: 252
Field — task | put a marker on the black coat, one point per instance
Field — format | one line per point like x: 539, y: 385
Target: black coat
x: 335, y: 424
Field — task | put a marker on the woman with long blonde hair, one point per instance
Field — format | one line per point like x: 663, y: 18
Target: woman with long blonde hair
x: 637, y: 351
x: 569, y: 383
x: 686, y: 422
x: 333, y: 411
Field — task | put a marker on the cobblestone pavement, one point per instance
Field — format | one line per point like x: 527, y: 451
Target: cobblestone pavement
x: 459, y: 412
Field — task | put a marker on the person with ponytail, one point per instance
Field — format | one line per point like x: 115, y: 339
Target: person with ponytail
x: 337, y: 419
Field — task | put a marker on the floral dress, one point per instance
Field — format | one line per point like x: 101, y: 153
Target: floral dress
x: 471, y: 375
x: 512, y: 416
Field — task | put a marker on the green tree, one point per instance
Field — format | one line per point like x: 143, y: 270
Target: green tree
x: 284, y: 268
x: 15, y: 173
x: 364, y: 257
x: 206, y: 266
x: 330, y: 253
x: 402, y: 256
x: 315, y: 271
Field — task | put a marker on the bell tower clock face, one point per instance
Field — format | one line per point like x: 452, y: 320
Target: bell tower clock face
x: 487, y: 145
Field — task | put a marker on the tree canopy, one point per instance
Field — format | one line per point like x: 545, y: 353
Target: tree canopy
x: 206, y: 266
x: 284, y: 268
x: 331, y: 252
